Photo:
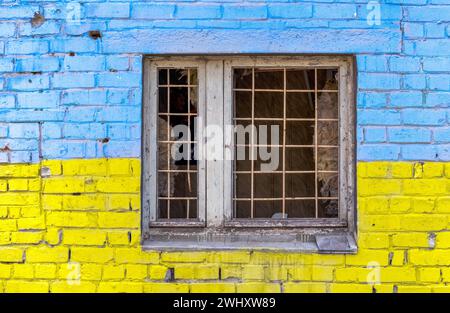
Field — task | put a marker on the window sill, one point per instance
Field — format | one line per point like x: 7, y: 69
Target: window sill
x: 337, y: 242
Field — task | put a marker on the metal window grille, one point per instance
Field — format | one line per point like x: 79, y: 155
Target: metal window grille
x: 303, y: 103
x: 177, y: 165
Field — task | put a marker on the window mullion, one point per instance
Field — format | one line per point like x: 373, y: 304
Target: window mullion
x: 214, y: 143
x: 200, y: 125
x: 229, y: 151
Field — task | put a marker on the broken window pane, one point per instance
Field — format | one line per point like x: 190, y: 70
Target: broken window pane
x: 303, y: 103
x: 177, y: 166
x: 269, y: 78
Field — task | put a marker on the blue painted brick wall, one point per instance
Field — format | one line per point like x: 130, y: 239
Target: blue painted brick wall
x: 60, y: 86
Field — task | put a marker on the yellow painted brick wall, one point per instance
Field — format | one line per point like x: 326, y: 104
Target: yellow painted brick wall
x: 75, y: 226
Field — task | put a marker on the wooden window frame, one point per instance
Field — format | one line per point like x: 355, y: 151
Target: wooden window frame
x: 150, y: 135
x: 215, y: 228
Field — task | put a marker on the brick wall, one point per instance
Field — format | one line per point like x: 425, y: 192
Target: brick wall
x: 70, y: 122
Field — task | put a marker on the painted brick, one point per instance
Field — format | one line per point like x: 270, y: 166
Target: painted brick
x: 409, y: 135
x: 24, y: 130
x: 77, y: 29
x: 388, y: 12
x: 372, y: 100
x: 107, y: 10
x: 23, y: 286
x: 413, y: 2
x: 43, y: 64
x: 92, y: 255
x: 72, y: 12
x: 51, y: 130
x: 376, y: 64
x: 46, y: 99
x: 432, y: 47
x: 45, y: 254
x: 119, y: 114
x: 80, y: 114
x: 79, y: 287
x: 7, y: 101
x: 73, y: 80
x: 26, y: 83
x: 406, y: 99
x: 244, y: 11
x: 84, y: 63
x: 289, y: 11
x: 431, y: 13
x: 6, y: 65
x: 175, y: 24
x: 417, y: 151
x: 436, y: 64
x: 123, y: 79
x: 119, y: 97
x: 414, y: 81
x: 439, y: 82
x: 379, y: 117
x: 83, y: 97
x: 7, y: 29
x: 404, y: 64
x: 54, y: 149
x: 413, y: 30
x: 441, y: 134
x: 423, y: 117
x: 378, y: 152
x: 118, y: 63
x: 115, y: 149
x: 437, y: 99
x: 45, y: 271
x: 332, y: 11
x: 3, y: 130
x: 13, y: 12
x: 152, y: 11
x: 379, y: 81
x: 374, y: 135
x: 198, y: 11
x: 47, y: 28
x: 84, y: 131
x: 434, y: 30
x: 197, y: 272
x: 27, y: 47
x: 78, y: 45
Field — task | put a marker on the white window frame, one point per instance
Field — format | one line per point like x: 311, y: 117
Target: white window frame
x: 149, y: 180
x: 215, y: 227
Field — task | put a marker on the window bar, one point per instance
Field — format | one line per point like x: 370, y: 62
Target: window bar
x: 234, y: 152
x: 281, y: 90
x: 315, y: 144
x: 292, y: 146
x: 169, y: 135
x: 176, y: 171
x: 339, y: 140
x: 252, y: 145
x: 287, y: 172
x: 178, y: 114
x: 178, y: 141
x: 189, y: 144
x: 180, y: 86
x: 305, y: 77
x: 284, y: 144
x: 178, y: 198
x: 287, y: 198
x: 292, y: 119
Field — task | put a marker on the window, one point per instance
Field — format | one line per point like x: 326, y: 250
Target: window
x: 249, y: 152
